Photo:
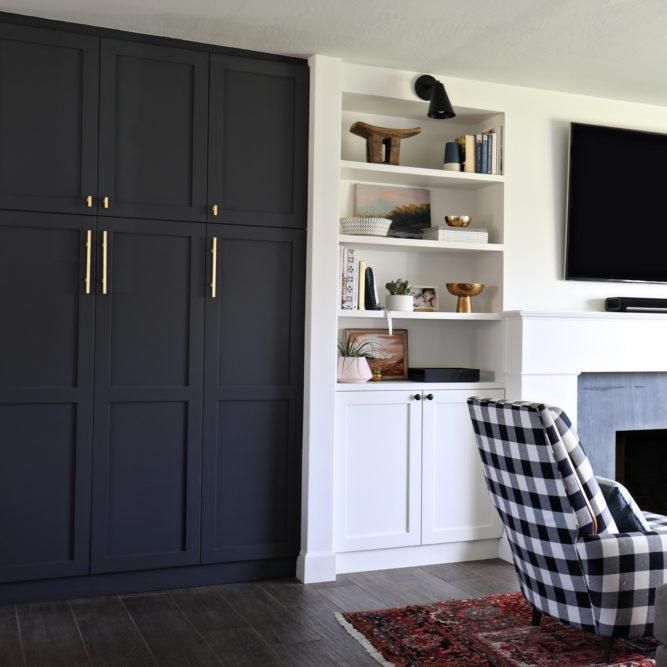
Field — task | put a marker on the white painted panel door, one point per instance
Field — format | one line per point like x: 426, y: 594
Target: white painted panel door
x: 378, y: 470
x: 455, y: 501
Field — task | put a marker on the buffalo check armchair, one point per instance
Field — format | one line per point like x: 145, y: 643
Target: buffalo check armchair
x: 572, y: 561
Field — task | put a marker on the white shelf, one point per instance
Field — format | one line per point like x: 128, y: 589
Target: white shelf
x: 418, y: 245
x: 414, y: 176
x: 399, y: 315
x: 402, y: 385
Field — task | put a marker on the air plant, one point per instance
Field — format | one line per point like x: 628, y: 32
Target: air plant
x: 356, y: 348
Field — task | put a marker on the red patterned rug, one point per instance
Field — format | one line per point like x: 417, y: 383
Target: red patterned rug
x: 494, y: 630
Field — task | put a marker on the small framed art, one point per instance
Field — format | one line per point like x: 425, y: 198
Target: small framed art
x: 425, y: 298
x: 390, y: 351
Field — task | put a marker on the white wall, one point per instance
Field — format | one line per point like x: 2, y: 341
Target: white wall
x: 536, y: 172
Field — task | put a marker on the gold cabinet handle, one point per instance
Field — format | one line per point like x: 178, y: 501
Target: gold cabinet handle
x: 105, y: 267
x: 89, y: 201
x: 215, y: 209
x: 105, y: 201
x: 89, y: 243
x: 214, y: 267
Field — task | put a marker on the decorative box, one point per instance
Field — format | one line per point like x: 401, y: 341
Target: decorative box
x: 443, y: 374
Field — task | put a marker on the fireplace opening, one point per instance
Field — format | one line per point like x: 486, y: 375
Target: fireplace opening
x: 641, y: 466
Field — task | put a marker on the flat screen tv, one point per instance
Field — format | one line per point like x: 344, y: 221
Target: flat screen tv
x: 617, y: 205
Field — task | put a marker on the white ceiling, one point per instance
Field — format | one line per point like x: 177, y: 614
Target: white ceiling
x: 608, y: 48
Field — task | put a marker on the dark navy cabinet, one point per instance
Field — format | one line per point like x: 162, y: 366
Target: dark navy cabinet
x: 148, y: 395
x: 153, y: 131
x: 151, y: 351
x: 252, y: 395
x: 48, y: 119
x: 258, y: 146
x: 46, y: 394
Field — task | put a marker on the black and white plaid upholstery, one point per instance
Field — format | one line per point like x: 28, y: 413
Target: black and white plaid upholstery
x: 571, y: 561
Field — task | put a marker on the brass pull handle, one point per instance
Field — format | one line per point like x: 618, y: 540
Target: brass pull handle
x: 215, y: 209
x: 105, y: 201
x: 104, y: 261
x: 214, y: 267
x: 89, y: 243
x: 89, y: 201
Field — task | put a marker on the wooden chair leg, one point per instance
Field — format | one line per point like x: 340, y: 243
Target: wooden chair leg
x: 537, y: 616
x: 607, y: 645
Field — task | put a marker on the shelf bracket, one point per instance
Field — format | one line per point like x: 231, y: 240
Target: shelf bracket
x: 390, y: 326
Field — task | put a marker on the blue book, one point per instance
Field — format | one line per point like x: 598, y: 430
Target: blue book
x: 478, y: 153
x: 485, y: 154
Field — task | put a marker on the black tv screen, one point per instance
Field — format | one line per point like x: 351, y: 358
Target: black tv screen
x: 617, y: 205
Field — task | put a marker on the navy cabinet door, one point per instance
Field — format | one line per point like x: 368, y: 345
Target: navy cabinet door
x: 148, y: 395
x: 46, y: 386
x: 258, y: 142
x: 253, y: 389
x: 153, y: 131
x: 48, y: 119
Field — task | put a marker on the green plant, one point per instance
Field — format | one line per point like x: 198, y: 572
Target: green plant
x: 355, y: 348
x: 398, y: 287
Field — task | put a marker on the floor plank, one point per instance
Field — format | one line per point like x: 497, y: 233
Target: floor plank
x: 406, y: 586
x: 50, y: 635
x: 110, y: 635
x: 318, y: 652
x: 354, y: 598
x: 230, y: 637
x: 11, y: 654
x: 242, y: 647
x: 171, y: 638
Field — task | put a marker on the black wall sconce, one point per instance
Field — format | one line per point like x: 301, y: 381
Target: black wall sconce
x: 430, y: 89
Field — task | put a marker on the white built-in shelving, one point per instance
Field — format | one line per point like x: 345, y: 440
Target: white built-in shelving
x: 444, y: 337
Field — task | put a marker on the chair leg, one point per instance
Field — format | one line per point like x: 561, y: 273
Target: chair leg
x: 607, y: 645
x: 537, y: 616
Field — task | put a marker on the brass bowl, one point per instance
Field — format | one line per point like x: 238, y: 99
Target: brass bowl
x: 458, y: 220
x: 464, y: 291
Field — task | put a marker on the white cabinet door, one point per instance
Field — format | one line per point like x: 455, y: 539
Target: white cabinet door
x: 455, y: 501
x: 378, y: 469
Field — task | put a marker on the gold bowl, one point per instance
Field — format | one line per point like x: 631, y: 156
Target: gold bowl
x: 458, y: 220
x: 464, y: 291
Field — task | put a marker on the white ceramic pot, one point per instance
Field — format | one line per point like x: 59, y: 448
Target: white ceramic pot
x: 400, y: 302
x: 353, y: 370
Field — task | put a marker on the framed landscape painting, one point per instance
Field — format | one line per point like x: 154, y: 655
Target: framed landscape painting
x: 390, y: 351
x: 409, y: 209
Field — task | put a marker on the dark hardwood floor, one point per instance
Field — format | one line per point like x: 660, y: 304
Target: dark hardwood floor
x: 256, y: 624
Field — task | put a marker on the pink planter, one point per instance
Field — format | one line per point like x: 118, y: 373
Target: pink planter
x: 353, y: 370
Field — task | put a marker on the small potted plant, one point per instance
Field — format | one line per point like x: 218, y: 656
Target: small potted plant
x: 353, y: 361
x: 399, y: 297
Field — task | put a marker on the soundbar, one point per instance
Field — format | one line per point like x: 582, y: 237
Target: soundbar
x: 625, y: 304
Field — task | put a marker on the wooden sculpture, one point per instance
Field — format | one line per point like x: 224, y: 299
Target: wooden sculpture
x: 377, y: 137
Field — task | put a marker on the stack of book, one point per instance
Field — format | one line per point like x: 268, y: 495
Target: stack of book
x: 357, y: 283
x: 483, y: 153
x: 455, y: 234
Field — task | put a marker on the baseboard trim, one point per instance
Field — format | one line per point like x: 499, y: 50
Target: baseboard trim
x: 145, y: 580
x: 313, y: 567
x: 427, y: 554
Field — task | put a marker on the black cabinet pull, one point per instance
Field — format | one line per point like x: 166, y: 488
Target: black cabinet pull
x: 417, y: 397
x: 430, y: 397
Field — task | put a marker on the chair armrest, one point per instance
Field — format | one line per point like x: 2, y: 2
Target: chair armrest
x: 622, y: 572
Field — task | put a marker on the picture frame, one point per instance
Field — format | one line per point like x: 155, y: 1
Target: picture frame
x: 426, y: 298
x: 390, y: 350
x: 409, y: 209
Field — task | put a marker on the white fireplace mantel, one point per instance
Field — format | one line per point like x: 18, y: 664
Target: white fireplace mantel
x: 546, y: 352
